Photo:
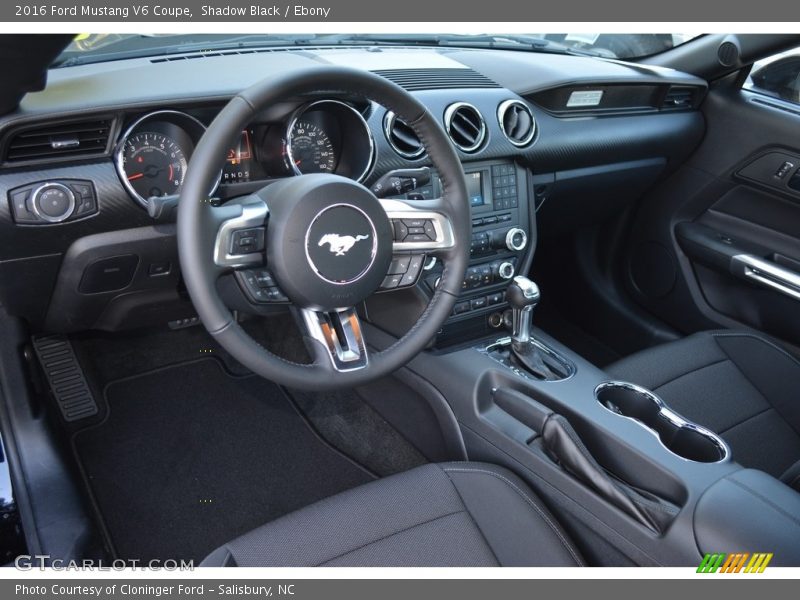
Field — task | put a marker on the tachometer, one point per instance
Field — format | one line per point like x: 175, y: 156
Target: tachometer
x: 153, y: 164
x: 153, y: 153
x: 309, y: 149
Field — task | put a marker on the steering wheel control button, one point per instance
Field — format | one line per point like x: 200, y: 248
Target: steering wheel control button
x: 391, y: 282
x: 414, y: 269
x: 400, y: 230
x: 419, y: 231
x: 247, y: 241
x: 341, y: 244
x: 404, y: 271
x: 399, y: 265
x: 260, y: 287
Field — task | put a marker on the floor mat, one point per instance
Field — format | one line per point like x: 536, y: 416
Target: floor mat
x: 190, y: 457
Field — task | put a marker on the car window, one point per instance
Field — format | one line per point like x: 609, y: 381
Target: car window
x: 777, y: 76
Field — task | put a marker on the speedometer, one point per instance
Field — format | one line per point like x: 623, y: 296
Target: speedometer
x: 153, y: 164
x: 309, y: 149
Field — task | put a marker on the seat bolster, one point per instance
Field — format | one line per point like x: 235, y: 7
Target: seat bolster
x: 518, y: 528
x: 455, y: 514
x: 657, y: 366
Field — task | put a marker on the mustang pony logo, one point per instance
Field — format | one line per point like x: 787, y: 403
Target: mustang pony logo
x: 340, y: 244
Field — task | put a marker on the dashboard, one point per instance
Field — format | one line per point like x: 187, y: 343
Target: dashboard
x: 81, y: 161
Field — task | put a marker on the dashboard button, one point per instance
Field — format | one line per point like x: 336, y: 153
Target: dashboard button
x: 430, y: 230
x: 477, y: 303
x: 461, y: 307
x: 86, y: 205
x: 20, y: 208
x: 158, y: 269
x: 53, y: 202
x: 493, y: 299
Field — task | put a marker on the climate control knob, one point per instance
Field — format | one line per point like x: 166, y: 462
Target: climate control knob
x: 516, y: 239
x: 505, y: 270
x: 53, y: 202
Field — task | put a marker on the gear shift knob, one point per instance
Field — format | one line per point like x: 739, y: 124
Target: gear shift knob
x: 523, y: 295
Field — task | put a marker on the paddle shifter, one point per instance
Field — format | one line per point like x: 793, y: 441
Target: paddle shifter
x: 527, y: 353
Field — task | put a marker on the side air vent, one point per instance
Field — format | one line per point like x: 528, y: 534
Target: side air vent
x: 679, y: 96
x: 401, y: 137
x: 437, y: 79
x: 73, y: 139
x: 465, y: 126
x: 517, y: 122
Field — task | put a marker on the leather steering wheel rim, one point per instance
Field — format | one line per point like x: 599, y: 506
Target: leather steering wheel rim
x: 198, y: 224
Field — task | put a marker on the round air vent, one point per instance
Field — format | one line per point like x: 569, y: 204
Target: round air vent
x: 465, y: 126
x: 517, y: 122
x: 401, y: 137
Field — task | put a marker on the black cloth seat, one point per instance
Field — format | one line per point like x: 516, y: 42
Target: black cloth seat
x: 740, y: 385
x: 453, y: 514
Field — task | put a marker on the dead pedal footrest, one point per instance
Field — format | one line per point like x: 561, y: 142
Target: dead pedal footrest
x: 65, y: 377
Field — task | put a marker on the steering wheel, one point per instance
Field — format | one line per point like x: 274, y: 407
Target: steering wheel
x: 328, y: 241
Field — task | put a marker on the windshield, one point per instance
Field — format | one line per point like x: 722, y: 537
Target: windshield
x: 87, y: 48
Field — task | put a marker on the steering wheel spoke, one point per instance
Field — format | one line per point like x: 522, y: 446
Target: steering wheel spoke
x: 240, y: 233
x: 339, y: 334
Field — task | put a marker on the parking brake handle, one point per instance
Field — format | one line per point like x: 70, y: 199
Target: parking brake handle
x: 563, y: 444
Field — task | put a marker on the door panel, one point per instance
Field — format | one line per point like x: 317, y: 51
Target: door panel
x: 730, y: 219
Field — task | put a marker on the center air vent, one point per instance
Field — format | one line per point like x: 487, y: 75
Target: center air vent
x: 517, y: 122
x: 72, y: 139
x: 401, y: 137
x: 465, y: 126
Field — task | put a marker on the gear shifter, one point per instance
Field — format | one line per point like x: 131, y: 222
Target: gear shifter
x: 527, y: 353
x: 523, y: 296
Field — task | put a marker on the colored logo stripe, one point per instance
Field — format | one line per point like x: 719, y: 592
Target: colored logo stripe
x: 734, y: 563
x: 711, y: 562
x: 758, y: 563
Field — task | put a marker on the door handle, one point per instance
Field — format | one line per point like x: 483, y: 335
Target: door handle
x: 767, y: 273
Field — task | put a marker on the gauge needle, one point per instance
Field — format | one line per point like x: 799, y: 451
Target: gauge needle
x: 297, y: 162
x: 136, y: 176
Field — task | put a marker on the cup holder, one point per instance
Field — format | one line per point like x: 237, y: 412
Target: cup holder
x: 681, y: 437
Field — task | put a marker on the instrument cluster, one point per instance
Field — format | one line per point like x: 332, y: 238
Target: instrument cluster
x: 323, y: 136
